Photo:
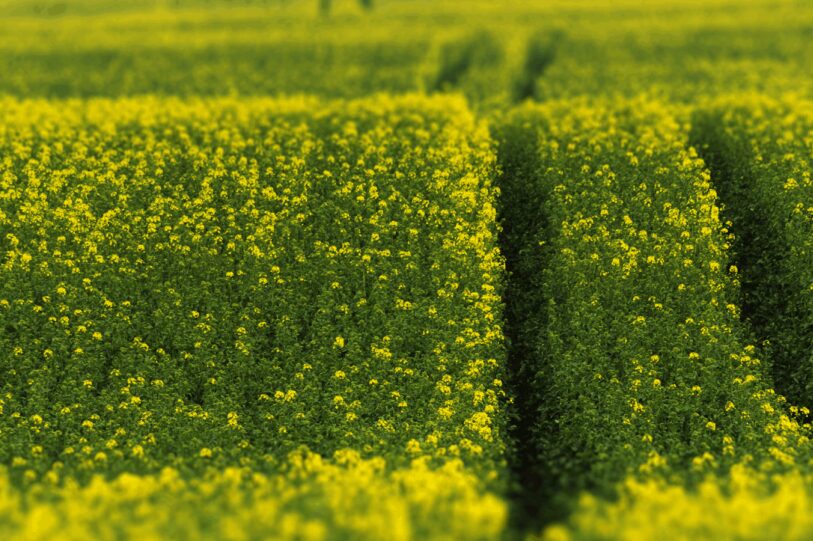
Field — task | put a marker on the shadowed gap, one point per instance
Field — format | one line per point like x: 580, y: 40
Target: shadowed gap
x: 520, y: 212
x: 540, y: 53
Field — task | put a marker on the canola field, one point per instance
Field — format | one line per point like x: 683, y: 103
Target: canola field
x: 406, y: 270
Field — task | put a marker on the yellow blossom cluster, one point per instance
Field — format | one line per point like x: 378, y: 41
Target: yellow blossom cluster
x: 310, y: 499
x: 750, y: 506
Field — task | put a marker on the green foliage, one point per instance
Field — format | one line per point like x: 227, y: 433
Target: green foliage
x: 629, y: 332
x: 758, y: 150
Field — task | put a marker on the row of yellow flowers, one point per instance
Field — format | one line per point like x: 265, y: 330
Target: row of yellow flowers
x: 210, y: 284
x: 629, y: 327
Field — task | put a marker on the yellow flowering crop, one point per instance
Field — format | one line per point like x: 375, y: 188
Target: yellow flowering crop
x: 619, y: 288
x: 748, y: 507
x: 258, y: 258
x: 206, y: 285
x: 758, y: 149
x: 311, y: 498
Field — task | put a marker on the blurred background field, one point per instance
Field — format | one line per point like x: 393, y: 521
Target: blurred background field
x: 494, y: 52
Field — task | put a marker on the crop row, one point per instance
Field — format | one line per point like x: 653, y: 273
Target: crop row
x: 758, y: 150
x: 206, y: 284
x: 622, y: 304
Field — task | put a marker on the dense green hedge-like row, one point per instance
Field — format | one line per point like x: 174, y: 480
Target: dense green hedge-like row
x: 759, y: 152
x: 622, y: 304
x: 195, y: 283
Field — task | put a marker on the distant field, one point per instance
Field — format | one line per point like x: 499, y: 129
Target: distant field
x: 406, y: 270
x: 675, y: 50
